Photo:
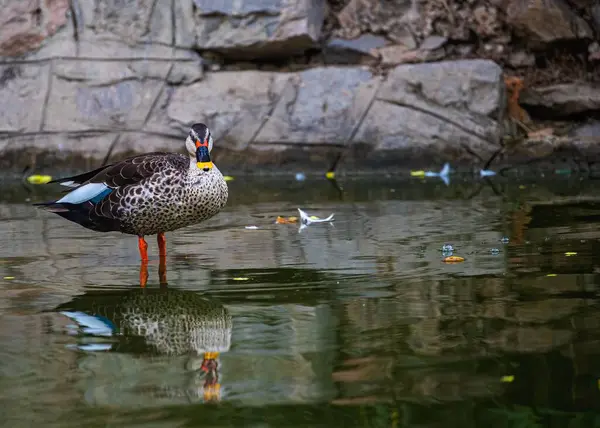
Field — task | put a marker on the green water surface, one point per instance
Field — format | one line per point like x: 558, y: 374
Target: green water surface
x: 358, y: 323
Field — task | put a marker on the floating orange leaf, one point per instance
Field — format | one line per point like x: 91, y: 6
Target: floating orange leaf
x: 283, y: 220
x: 454, y: 259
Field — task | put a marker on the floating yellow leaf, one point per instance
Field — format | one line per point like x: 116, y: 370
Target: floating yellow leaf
x: 522, y: 187
x: 330, y: 175
x: 283, y: 220
x: 570, y: 253
x: 419, y: 173
x: 241, y: 278
x: 454, y: 259
x: 39, y: 179
x: 228, y: 178
x: 9, y: 277
x: 507, y: 379
x: 551, y: 274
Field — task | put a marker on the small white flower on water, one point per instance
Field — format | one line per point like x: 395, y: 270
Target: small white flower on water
x: 308, y: 219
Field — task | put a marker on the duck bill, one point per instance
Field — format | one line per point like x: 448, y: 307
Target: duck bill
x: 203, y: 157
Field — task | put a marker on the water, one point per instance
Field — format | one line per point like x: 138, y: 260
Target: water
x: 355, y: 323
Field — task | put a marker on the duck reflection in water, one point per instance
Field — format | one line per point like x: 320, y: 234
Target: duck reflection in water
x: 164, y: 322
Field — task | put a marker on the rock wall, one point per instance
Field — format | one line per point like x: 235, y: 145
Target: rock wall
x: 359, y: 84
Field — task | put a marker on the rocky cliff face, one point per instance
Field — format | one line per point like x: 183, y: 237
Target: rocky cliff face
x: 307, y: 82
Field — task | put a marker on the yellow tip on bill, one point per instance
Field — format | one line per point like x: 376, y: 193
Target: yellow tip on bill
x: 39, y: 179
x: 212, y: 392
x: 203, y: 165
x: 330, y: 175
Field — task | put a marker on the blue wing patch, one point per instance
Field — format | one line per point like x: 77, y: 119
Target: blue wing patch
x: 101, y: 196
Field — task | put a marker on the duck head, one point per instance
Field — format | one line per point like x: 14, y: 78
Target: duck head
x: 199, y: 144
x: 211, y: 387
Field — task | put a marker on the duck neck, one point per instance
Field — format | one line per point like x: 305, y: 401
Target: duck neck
x: 193, y: 166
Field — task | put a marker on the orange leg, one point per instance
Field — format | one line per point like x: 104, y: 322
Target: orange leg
x: 143, y: 246
x: 162, y: 244
x: 162, y: 251
x: 162, y: 270
x: 143, y: 273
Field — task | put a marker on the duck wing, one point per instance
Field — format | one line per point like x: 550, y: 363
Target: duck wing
x: 78, y: 180
x: 95, y: 196
x: 126, y: 172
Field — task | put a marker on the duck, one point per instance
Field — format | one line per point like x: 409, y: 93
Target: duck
x: 169, y: 322
x: 147, y: 194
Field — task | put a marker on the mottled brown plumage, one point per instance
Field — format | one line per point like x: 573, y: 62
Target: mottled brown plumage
x: 147, y: 194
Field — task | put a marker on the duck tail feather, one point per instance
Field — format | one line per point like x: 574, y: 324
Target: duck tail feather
x: 52, y: 206
x: 82, y: 214
x: 77, y: 180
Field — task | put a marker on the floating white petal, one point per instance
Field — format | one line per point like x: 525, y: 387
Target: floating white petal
x: 306, y: 219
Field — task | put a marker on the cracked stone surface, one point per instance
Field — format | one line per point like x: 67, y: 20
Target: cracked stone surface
x: 446, y: 107
x: 25, y: 24
x: 546, y: 21
x: 113, y: 29
x: 77, y: 73
x: 132, y: 21
x: 564, y: 99
x: 22, y: 93
x: 261, y: 118
x: 95, y: 144
x: 84, y: 96
x: 320, y: 106
x: 258, y: 28
x: 465, y: 93
x: 235, y: 104
x: 78, y: 150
